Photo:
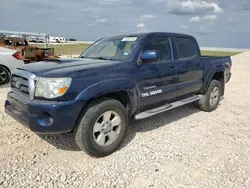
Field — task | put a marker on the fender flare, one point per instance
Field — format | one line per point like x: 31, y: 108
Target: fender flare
x: 211, y: 73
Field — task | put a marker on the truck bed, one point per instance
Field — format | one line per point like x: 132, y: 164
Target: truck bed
x: 211, y: 61
x: 214, y: 59
x: 207, y: 56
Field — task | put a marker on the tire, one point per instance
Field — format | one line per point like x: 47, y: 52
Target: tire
x: 206, y: 103
x: 4, y: 75
x: 89, y: 137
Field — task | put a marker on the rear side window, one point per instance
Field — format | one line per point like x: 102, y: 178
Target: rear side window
x: 185, y: 47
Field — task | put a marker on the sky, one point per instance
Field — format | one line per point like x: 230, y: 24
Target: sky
x: 214, y: 23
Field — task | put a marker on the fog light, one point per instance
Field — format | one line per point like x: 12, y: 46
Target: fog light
x: 46, y: 120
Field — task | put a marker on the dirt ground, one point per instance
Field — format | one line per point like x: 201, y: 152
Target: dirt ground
x: 184, y: 147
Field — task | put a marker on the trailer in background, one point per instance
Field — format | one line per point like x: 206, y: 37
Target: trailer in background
x: 39, y: 37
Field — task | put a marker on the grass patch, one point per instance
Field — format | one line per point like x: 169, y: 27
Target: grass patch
x: 67, y: 49
x: 218, y: 53
x: 76, y: 49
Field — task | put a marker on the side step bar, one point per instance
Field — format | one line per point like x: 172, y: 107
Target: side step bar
x: 167, y: 107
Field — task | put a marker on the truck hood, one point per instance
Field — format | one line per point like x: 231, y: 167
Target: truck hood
x: 66, y: 66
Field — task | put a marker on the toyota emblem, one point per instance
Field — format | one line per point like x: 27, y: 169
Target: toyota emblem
x: 18, y: 84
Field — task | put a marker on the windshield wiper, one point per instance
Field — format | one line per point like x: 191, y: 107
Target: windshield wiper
x: 101, y: 58
x: 104, y: 58
x: 83, y: 57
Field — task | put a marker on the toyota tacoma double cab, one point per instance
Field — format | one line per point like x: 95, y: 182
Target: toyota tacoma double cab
x: 115, y: 80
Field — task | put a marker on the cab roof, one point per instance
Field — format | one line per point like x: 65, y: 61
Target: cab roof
x: 144, y: 34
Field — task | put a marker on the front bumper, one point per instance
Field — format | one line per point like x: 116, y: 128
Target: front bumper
x: 44, y: 117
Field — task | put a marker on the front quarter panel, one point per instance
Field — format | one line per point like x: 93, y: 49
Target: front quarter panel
x: 110, y: 86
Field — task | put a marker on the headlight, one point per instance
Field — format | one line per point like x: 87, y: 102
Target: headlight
x: 52, y: 87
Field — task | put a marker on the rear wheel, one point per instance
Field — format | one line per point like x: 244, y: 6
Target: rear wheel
x: 4, y: 75
x: 102, y: 128
x: 211, y: 99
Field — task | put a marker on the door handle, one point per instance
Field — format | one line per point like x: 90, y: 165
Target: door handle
x: 172, y: 67
x: 197, y: 64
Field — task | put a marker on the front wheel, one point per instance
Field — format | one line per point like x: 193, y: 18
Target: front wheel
x: 102, y: 127
x: 211, y: 99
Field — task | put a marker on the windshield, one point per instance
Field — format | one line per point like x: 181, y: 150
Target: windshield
x: 115, y: 48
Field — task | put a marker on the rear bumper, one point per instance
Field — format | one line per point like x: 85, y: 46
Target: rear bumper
x: 43, y: 117
x: 228, y: 74
x: 228, y: 77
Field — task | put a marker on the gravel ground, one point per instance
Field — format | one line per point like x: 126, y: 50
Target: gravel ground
x: 181, y: 148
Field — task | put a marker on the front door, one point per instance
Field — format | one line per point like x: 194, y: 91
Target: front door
x: 156, y: 80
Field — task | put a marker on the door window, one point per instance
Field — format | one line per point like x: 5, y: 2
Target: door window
x: 185, y: 47
x: 162, y: 45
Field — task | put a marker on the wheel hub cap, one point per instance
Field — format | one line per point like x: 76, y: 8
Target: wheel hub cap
x: 107, y: 128
x: 214, y: 95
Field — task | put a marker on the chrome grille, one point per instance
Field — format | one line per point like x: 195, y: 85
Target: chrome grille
x: 20, y: 84
x: 23, y: 83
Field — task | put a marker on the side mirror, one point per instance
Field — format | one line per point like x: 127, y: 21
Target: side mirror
x: 149, y: 56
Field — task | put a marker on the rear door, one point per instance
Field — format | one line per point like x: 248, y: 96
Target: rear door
x: 188, y: 64
x: 156, y: 80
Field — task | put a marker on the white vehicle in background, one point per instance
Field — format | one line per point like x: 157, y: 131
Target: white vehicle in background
x: 10, y: 59
x: 55, y: 39
x: 33, y: 39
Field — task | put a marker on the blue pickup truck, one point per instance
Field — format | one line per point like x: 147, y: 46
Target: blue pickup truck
x: 115, y: 80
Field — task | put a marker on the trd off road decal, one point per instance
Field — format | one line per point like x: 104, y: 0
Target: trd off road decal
x: 147, y: 94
